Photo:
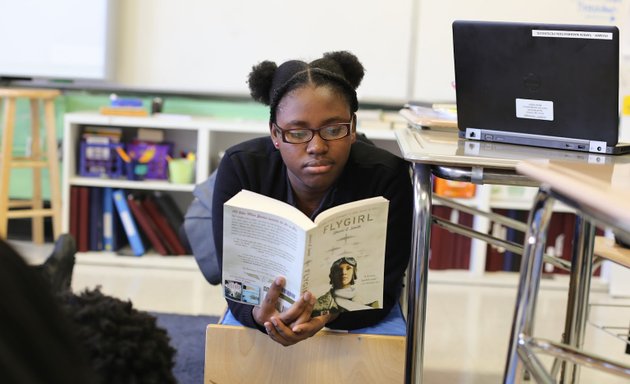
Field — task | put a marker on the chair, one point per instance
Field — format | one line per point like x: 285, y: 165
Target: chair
x: 33, y: 208
x: 236, y: 354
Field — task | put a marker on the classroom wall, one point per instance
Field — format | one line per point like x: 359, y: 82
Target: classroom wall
x: 405, y: 45
x: 210, y: 46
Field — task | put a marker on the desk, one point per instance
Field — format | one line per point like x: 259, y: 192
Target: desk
x: 599, y: 193
x: 442, y: 153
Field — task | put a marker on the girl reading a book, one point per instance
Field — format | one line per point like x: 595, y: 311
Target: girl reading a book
x: 313, y: 161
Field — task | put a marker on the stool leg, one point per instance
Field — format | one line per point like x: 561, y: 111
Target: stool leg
x: 53, y: 166
x: 5, y: 163
x: 37, y: 222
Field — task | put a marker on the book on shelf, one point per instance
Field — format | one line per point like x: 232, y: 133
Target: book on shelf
x: 111, y: 222
x: 265, y: 238
x: 449, y: 250
x: 124, y: 111
x: 150, y: 135
x: 112, y: 134
x: 96, y: 219
x: 74, y: 213
x: 146, y: 224
x: 170, y: 237
x: 129, y: 225
x: 169, y: 209
x: 83, y: 242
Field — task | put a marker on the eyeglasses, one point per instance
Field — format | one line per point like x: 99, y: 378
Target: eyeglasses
x: 304, y: 135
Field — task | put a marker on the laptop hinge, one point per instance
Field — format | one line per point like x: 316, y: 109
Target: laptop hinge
x: 597, y: 146
x: 473, y: 133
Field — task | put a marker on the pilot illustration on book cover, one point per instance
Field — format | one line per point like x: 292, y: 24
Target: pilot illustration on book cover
x: 343, y: 295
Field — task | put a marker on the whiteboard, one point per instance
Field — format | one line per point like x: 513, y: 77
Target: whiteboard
x: 210, y: 46
x: 434, y: 76
x: 67, y: 39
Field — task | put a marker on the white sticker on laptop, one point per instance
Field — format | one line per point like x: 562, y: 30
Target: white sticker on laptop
x: 534, y: 109
x: 573, y: 34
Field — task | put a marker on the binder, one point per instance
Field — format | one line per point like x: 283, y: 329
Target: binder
x: 96, y: 219
x: 128, y: 223
x: 146, y: 225
x: 74, y: 213
x: 83, y: 242
x: 169, y: 209
x: 109, y: 224
x: 171, y: 238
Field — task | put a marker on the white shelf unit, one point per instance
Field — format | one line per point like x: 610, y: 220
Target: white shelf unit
x: 206, y: 136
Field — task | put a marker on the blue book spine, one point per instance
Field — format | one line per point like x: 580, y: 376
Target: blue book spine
x: 128, y: 223
x: 109, y: 231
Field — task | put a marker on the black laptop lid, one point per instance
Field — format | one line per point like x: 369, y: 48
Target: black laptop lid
x: 543, y: 79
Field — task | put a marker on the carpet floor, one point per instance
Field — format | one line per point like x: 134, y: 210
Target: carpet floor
x: 188, y: 337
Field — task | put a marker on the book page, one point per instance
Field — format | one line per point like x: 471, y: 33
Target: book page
x: 353, y: 234
x: 258, y: 247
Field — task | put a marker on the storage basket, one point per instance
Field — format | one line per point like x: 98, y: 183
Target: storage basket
x: 100, y: 160
x: 157, y: 166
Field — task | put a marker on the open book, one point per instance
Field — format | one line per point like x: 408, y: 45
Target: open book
x: 339, y: 258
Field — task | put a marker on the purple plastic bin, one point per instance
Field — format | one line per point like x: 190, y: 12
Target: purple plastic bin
x: 157, y: 167
x: 100, y: 160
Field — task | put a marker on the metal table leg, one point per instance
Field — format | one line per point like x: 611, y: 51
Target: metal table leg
x: 529, y: 281
x: 579, y: 288
x: 418, y: 273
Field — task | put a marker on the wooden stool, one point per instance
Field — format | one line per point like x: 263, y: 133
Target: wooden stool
x: 36, y: 160
x: 235, y: 354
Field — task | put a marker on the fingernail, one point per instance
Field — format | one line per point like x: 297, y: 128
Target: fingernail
x: 307, y: 296
x: 274, y: 321
x: 279, y: 280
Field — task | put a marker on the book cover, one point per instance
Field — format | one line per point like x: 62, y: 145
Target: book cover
x: 169, y: 209
x: 83, y: 242
x: 340, y: 257
x: 146, y: 225
x: 171, y: 239
x: 120, y: 201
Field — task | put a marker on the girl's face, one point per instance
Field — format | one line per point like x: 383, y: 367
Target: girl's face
x: 314, y: 166
x: 347, y: 271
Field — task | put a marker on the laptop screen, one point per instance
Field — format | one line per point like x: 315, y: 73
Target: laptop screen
x: 539, y: 79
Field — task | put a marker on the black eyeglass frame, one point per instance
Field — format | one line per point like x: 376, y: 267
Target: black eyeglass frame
x: 283, y: 131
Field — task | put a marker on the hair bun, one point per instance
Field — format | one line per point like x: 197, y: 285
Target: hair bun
x: 352, y: 68
x: 260, y: 80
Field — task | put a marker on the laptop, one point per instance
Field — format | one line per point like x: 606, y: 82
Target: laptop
x: 544, y: 85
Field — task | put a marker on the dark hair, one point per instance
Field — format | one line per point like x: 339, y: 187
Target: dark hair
x: 334, y: 270
x: 341, y: 71
x: 122, y: 344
